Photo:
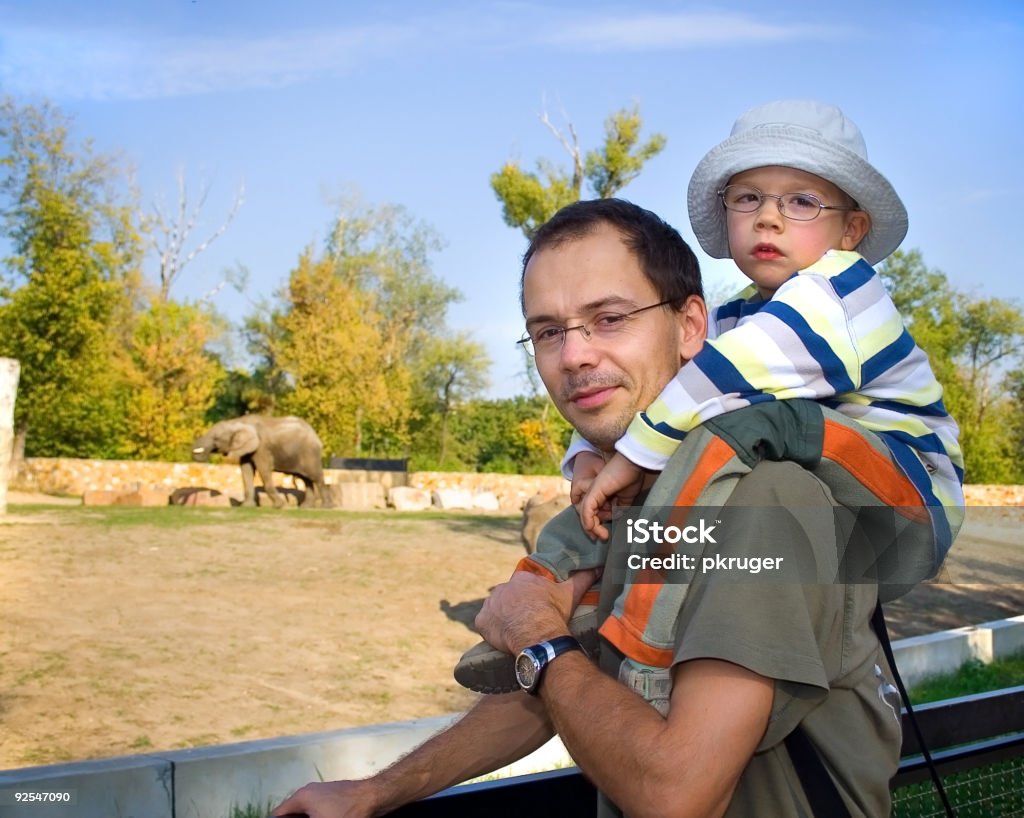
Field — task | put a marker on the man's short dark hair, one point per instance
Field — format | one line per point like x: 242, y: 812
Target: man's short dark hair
x: 666, y: 260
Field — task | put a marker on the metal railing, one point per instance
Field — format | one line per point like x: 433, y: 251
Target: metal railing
x: 976, y: 742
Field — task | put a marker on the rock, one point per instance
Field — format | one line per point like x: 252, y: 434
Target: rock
x: 404, y: 498
x: 357, y: 496
x: 196, y: 496
x: 452, y: 498
x: 150, y: 498
x: 486, y: 501
x: 99, y: 497
x: 536, y: 513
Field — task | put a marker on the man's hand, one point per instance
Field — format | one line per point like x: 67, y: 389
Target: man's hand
x: 529, y: 609
x: 620, y: 480
x: 330, y: 799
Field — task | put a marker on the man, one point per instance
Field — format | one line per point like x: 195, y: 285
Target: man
x: 616, y: 294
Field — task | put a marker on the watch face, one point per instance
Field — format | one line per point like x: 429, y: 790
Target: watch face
x: 527, y: 669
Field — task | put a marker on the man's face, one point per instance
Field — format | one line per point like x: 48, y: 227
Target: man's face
x: 600, y: 383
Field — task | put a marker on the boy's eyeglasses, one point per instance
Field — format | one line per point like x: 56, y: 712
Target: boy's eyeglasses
x: 550, y: 339
x: 800, y: 207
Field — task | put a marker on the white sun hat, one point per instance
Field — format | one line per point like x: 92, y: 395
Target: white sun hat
x: 808, y: 136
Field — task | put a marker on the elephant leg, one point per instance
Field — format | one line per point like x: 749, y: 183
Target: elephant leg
x: 266, y: 471
x: 249, y: 487
x: 308, y: 496
x: 325, y: 497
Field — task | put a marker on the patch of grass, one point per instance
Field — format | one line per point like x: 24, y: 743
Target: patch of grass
x: 49, y: 663
x: 184, y: 516
x: 141, y: 743
x: 974, y: 677
x: 251, y: 810
x: 45, y: 755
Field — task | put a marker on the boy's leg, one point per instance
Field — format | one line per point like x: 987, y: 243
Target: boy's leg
x: 562, y: 548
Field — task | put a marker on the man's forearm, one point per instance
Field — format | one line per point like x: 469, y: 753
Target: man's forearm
x: 496, y: 731
x: 686, y: 765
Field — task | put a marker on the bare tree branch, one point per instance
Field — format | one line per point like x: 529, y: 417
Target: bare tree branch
x: 572, y: 147
x: 171, y: 234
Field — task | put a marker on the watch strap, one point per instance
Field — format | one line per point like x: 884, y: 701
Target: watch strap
x: 545, y: 652
x: 557, y: 646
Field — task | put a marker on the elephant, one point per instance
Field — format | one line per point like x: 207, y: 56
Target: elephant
x: 265, y: 445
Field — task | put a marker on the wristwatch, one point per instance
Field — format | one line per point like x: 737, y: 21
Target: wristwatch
x: 531, y: 661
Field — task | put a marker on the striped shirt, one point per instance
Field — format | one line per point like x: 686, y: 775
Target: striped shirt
x: 830, y: 333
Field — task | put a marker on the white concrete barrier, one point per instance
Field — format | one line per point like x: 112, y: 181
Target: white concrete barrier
x: 137, y: 786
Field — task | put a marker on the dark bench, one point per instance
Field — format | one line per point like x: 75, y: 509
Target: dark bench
x: 368, y: 464
x: 965, y: 736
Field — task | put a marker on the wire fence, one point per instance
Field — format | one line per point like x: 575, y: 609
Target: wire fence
x: 993, y: 791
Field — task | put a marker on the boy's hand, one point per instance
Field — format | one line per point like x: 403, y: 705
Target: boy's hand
x: 585, y: 467
x: 619, y: 480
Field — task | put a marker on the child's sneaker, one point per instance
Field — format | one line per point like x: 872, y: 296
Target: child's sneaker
x: 488, y: 670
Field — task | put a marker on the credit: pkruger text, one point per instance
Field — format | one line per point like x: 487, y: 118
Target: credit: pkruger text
x: 641, y: 531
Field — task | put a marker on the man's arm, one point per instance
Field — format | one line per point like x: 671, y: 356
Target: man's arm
x: 496, y: 731
x: 686, y: 765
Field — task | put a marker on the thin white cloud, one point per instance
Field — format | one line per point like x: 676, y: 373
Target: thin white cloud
x: 675, y: 31
x: 120, y: 63
x: 986, y: 194
x: 93, y: 64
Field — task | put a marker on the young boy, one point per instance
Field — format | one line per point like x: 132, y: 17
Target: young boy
x: 787, y: 195
x: 790, y: 196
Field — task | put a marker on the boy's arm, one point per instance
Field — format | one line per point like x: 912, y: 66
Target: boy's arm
x: 577, y: 445
x: 801, y: 344
x: 620, y: 480
x: 585, y: 469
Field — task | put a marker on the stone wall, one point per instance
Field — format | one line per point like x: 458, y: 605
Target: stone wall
x: 75, y: 477
x: 70, y: 476
x: 994, y: 495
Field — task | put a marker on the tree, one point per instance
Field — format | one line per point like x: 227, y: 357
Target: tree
x: 332, y: 353
x: 530, y: 199
x: 520, y: 435
x: 170, y: 234
x: 172, y: 370
x: 344, y: 344
x: 969, y: 342
x: 173, y: 377
x: 451, y: 371
x: 69, y: 284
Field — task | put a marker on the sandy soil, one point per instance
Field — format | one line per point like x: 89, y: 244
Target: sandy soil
x: 137, y: 638
x: 189, y: 627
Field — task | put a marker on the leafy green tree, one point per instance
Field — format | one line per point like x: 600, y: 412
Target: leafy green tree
x: 343, y: 346
x: 68, y: 285
x: 173, y: 370
x: 969, y: 342
x: 325, y: 346
x: 520, y: 435
x: 1014, y: 435
x: 531, y: 198
x: 451, y: 371
x: 173, y: 376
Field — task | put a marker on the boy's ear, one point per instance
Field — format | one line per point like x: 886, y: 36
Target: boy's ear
x: 858, y: 223
x: 693, y: 324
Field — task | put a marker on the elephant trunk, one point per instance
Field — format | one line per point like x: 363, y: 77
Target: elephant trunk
x: 201, y: 450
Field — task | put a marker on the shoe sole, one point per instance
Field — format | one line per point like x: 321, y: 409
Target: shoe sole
x: 484, y: 669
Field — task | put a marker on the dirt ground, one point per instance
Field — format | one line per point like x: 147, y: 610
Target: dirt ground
x: 140, y: 630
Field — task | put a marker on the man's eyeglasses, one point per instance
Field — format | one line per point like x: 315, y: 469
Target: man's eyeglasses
x: 550, y: 339
x: 800, y: 207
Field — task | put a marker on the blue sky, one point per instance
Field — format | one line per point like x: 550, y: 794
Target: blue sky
x: 417, y: 104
